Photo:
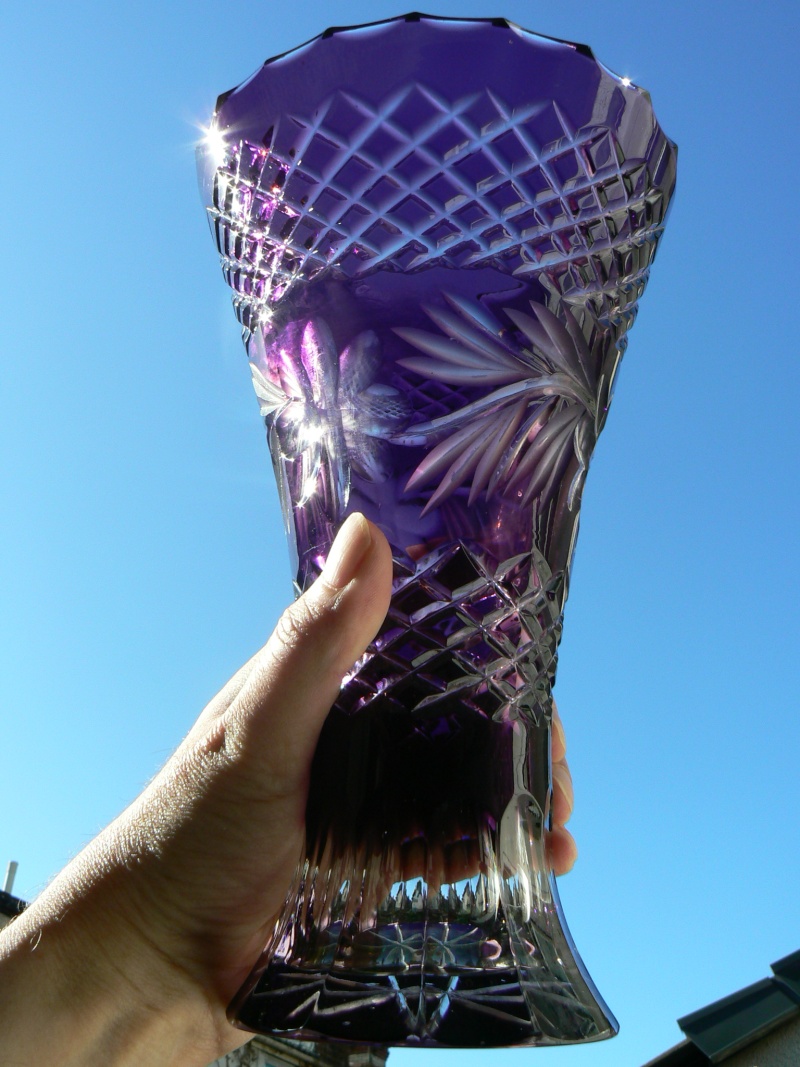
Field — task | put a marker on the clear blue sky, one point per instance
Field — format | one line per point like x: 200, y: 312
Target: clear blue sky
x: 142, y: 556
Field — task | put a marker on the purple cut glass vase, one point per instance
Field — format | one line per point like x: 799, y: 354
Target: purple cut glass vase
x: 436, y: 232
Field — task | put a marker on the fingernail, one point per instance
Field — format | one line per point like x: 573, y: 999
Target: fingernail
x: 559, y: 729
x: 347, y: 551
x: 563, y: 779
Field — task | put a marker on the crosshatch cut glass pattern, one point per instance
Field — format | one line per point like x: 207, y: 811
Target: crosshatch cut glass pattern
x: 436, y: 232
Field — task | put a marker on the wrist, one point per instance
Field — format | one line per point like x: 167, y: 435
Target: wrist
x: 76, y: 988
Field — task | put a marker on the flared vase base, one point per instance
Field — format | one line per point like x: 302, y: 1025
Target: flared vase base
x: 468, y: 1007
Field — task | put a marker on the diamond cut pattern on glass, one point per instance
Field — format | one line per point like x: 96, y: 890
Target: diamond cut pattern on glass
x: 459, y: 626
x: 446, y: 181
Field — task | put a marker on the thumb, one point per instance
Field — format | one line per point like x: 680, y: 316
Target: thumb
x: 278, y: 713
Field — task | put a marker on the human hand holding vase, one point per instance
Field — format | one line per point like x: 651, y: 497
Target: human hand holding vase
x: 436, y: 232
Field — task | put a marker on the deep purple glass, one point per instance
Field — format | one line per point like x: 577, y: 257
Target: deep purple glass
x: 436, y: 231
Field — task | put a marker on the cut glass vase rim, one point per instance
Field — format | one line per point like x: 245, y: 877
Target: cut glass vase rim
x: 420, y: 16
x: 295, y: 82
x: 500, y: 22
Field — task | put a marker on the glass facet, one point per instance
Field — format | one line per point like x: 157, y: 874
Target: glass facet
x: 436, y: 232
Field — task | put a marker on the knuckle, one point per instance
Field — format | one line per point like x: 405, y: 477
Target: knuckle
x: 295, y: 624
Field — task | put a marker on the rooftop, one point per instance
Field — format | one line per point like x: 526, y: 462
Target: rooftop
x: 717, y: 1032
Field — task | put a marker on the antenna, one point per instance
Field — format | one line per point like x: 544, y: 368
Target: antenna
x: 11, y: 874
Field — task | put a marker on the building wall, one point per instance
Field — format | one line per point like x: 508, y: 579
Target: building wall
x: 781, y: 1048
